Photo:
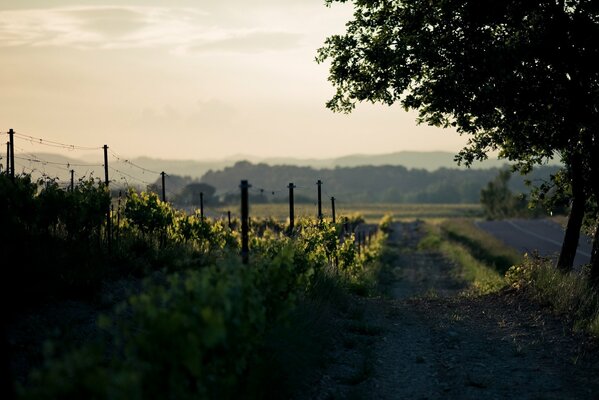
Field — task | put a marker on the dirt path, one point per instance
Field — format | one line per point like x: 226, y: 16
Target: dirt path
x: 424, y: 341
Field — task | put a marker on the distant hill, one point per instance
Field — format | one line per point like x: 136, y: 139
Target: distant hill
x: 428, y: 160
x: 385, y: 183
x: 127, y: 171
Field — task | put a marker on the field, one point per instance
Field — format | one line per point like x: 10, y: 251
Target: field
x: 372, y: 213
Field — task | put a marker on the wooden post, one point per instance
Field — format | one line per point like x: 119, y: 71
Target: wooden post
x: 106, y: 182
x: 291, y: 186
x: 106, y: 165
x: 11, y: 136
x: 202, y: 206
x: 333, y: 208
x: 229, y: 216
x: 245, y: 251
x: 72, y: 180
x: 162, y: 174
x: 319, y: 183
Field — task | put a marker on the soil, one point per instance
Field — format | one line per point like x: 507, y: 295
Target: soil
x: 427, y: 340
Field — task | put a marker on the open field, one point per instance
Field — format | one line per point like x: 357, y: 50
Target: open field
x: 372, y: 213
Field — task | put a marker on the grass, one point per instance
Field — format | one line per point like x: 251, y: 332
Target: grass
x: 372, y: 212
x: 482, y: 277
x: 489, y: 265
x: 482, y: 245
x: 570, y: 294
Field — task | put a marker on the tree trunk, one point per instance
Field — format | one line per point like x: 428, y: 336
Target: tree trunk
x: 570, y: 243
x: 595, y: 260
x: 594, y: 173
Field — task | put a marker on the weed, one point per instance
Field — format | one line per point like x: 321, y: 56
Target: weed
x: 568, y: 293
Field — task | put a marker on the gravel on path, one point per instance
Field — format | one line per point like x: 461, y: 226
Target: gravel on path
x: 426, y: 341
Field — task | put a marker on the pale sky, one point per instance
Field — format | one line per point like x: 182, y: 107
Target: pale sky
x: 202, y: 79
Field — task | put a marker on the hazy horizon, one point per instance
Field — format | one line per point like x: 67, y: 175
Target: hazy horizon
x: 191, y: 81
x: 86, y: 155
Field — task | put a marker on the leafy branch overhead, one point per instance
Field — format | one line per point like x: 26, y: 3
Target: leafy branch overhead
x: 505, y: 72
x: 518, y: 77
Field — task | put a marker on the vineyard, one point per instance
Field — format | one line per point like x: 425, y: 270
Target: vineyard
x: 128, y: 297
x: 196, y: 324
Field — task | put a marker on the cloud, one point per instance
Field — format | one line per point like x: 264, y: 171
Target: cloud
x: 116, y: 22
x: 250, y: 42
x: 98, y: 26
x: 114, y: 27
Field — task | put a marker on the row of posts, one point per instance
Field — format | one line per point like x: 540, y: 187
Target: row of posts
x: 244, y: 185
x: 10, y: 167
x: 10, y: 170
x: 245, y: 215
x: 244, y: 198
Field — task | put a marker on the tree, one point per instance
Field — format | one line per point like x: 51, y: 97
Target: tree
x: 518, y: 77
x: 499, y: 202
x: 191, y: 193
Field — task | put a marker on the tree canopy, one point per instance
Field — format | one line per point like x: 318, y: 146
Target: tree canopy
x: 506, y: 72
x: 518, y: 77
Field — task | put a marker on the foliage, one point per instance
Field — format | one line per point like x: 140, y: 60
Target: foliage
x: 147, y: 213
x: 385, y: 224
x: 517, y: 77
x: 196, y: 193
x: 568, y: 293
x: 501, y: 73
x: 499, y: 202
x: 369, y: 184
x: 198, y: 332
x: 482, y: 245
x: 45, y: 208
x: 54, y: 234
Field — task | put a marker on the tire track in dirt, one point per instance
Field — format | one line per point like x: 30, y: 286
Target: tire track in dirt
x: 424, y: 341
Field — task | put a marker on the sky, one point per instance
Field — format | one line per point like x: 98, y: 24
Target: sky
x: 203, y: 79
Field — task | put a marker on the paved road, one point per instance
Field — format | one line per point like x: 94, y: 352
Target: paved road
x: 542, y: 235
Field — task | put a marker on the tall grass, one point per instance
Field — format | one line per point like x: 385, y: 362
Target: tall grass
x: 482, y: 245
x: 489, y: 265
x: 569, y: 294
